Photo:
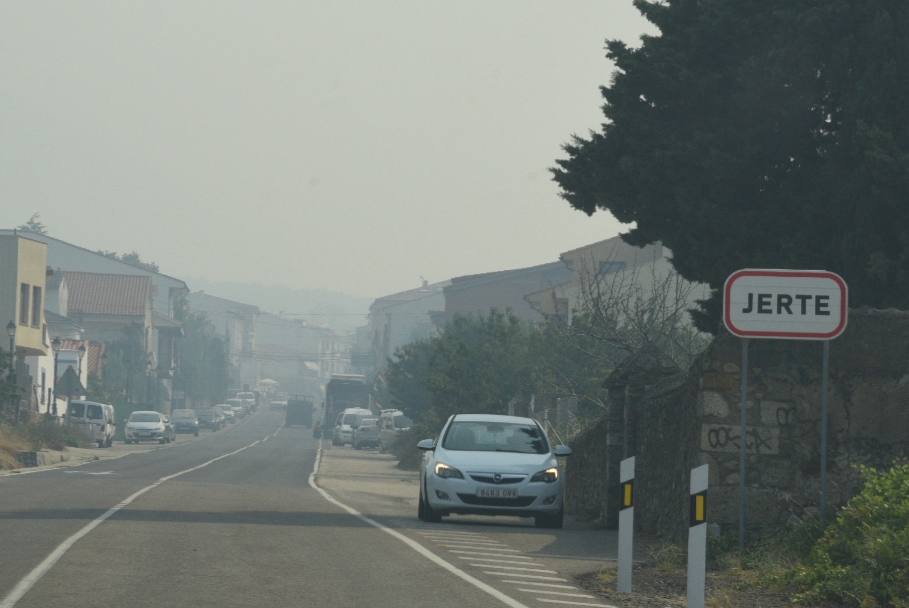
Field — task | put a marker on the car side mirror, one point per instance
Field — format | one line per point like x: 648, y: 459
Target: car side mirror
x: 562, y: 450
x: 427, y: 444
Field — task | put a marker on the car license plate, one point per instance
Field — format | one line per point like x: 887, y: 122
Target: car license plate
x: 497, y: 492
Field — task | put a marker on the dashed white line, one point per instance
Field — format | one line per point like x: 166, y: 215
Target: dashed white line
x: 573, y: 603
x: 499, y: 561
x: 465, y: 546
x: 515, y: 568
x: 559, y: 593
x: 548, y: 585
x: 38, y: 572
x: 489, y: 554
x: 533, y: 576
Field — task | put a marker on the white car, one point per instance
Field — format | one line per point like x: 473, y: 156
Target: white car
x: 492, y: 465
x: 346, y: 422
x: 149, y: 426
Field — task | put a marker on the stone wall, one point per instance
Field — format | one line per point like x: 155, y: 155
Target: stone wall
x: 681, y: 422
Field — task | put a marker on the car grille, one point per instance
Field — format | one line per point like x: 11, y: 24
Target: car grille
x: 520, y: 501
x: 503, y: 480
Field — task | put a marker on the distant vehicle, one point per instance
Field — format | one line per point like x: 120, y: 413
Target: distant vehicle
x: 96, y: 420
x: 345, y: 391
x: 239, y: 406
x: 211, y: 418
x: 149, y: 426
x: 391, y: 424
x: 228, y: 412
x: 492, y: 465
x: 366, y: 434
x: 185, y: 421
x: 248, y: 398
x: 299, y: 411
x: 347, y: 421
x: 278, y: 405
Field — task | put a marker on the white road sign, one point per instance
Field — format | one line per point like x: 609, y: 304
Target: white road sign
x: 785, y: 304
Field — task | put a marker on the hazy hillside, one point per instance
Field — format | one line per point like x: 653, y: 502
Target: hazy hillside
x: 340, y: 311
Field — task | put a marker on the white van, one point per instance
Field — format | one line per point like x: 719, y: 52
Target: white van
x: 96, y: 420
x: 346, y: 422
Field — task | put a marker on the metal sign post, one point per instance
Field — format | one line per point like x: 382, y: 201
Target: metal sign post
x: 697, y: 537
x: 626, y: 525
x: 825, y: 375
x: 784, y: 305
x: 743, y: 447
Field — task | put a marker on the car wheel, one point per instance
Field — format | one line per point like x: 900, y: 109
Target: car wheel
x: 427, y: 513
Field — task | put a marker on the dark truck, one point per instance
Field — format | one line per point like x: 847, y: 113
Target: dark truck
x: 299, y: 411
x: 344, y: 391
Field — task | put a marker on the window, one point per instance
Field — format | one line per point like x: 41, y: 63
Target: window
x: 495, y: 437
x: 24, y: 308
x: 607, y: 267
x: 36, y: 306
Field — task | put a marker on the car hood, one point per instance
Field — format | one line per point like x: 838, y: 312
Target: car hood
x: 145, y: 426
x: 495, y: 462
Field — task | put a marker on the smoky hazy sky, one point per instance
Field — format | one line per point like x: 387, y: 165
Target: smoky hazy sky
x: 343, y: 145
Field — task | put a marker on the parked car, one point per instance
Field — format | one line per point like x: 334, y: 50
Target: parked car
x: 346, y: 422
x: 492, y: 465
x: 211, y: 418
x: 366, y: 434
x: 391, y: 424
x: 185, y: 421
x: 149, y: 426
x: 95, y: 420
x: 227, y: 412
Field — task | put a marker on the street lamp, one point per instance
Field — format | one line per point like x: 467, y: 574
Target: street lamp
x: 56, y: 343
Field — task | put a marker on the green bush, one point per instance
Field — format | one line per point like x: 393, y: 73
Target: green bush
x: 862, y: 559
x: 48, y: 434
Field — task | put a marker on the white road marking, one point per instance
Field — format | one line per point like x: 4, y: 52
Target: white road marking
x: 486, y: 543
x: 551, y: 585
x: 490, y: 554
x: 573, y: 603
x: 514, y: 568
x: 38, y: 572
x: 533, y: 576
x: 436, y: 559
x: 267, y: 438
x: 447, y: 533
x: 463, y: 539
x: 471, y: 546
x: 90, y: 472
x: 559, y: 593
x: 499, y: 561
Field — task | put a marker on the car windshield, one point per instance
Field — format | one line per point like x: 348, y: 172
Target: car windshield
x: 94, y: 412
x: 184, y: 414
x: 351, y: 419
x: 144, y: 417
x: 495, y: 437
x: 76, y: 410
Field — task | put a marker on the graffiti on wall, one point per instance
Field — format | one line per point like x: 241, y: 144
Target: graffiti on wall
x: 727, y: 438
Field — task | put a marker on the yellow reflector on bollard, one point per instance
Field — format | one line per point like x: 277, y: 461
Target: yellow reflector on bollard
x: 698, y: 512
x: 628, y: 494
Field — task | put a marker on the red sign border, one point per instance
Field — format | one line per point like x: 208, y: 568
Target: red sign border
x: 814, y: 274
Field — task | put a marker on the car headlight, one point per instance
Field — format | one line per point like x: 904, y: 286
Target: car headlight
x: 446, y: 472
x: 550, y: 475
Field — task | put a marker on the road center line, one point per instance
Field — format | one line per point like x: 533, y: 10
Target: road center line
x: 38, y: 572
x: 433, y: 557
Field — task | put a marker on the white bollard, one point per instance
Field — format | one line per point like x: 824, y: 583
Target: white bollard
x: 626, y: 525
x: 697, y: 537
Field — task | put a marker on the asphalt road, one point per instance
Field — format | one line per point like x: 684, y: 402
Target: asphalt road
x: 245, y: 530
x: 230, y: 519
